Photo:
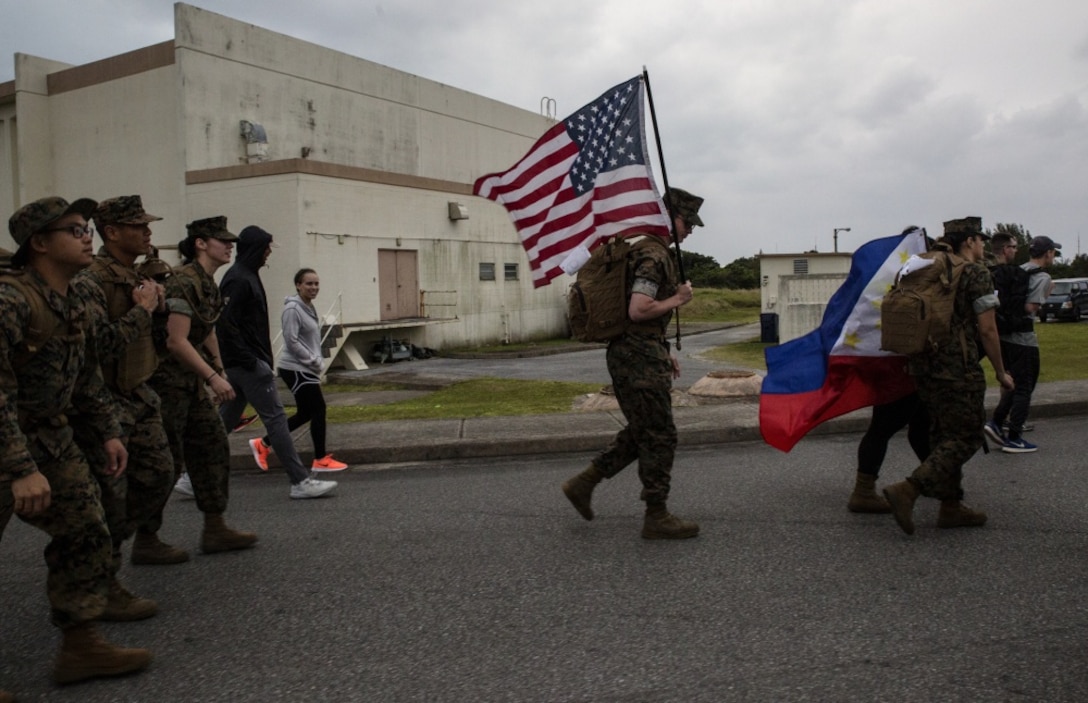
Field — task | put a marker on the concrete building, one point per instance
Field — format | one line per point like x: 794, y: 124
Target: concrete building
x: 360, y: 171
x: 794, y: 289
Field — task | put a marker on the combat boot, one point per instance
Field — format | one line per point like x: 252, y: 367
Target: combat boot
x: 864, y: 499
x: 122, y: 606
x: 579, y: 490
x: 955, y: 514
x: 220, y: 538
x: 147, y: 548
x: 661, y: 524
x: 85, y: 654
x: 901, y: 497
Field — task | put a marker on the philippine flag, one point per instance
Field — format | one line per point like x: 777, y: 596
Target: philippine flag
x: 839, y: 367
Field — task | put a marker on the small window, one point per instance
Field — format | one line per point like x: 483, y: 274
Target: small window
x: 510, y: 272
x: 487, y: 272
x: 800, y: 267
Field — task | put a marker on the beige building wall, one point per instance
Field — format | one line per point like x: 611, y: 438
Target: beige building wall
x: 359, y: 158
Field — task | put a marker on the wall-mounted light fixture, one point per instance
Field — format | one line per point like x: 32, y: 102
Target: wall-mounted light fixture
x: 458, y: 211
x: 256, y: 141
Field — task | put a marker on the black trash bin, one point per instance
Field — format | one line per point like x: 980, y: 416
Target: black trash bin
x: 768, y: 327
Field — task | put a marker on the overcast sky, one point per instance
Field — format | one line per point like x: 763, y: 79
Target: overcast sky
x: 791, y: 117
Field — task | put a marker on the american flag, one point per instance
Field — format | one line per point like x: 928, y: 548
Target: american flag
x: 586, y: 180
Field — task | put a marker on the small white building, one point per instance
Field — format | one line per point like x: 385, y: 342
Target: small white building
x: 794, y: 289
x: 361, y: 172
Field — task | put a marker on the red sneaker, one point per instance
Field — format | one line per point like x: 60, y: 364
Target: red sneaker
x: 260, y: 453
x: 327, y: 463
x: 245, y: 422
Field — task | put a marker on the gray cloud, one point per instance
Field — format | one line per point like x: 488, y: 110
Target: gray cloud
x: 791, y: 118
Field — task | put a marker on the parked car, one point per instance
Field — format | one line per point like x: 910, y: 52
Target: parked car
x: 1068, y: 300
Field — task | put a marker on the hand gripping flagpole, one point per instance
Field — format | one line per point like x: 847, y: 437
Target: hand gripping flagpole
x: 668, y: 205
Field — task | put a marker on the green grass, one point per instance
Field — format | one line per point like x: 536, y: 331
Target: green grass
x: 1062, y: 353
x: 540, y: 344
x: 1062, y: 347
x: 748, y: 354
x: 722, y: 305
x: 482, y: 397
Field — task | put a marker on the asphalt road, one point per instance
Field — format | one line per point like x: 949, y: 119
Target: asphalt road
x: 476, y: 581
x: 585, y: 366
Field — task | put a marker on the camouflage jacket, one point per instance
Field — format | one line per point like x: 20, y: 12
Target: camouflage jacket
x: 38, y: 392
x: 115, y: 332
x: 652, y: 271
x: 958, y: 359
x: 191, y: 292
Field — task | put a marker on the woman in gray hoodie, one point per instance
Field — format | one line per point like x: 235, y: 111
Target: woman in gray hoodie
x: 301, y: 363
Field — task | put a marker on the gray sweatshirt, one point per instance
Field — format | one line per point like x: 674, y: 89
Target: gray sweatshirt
x: 301, y: 337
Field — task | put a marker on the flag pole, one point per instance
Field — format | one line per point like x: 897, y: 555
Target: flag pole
x: 668, y: 205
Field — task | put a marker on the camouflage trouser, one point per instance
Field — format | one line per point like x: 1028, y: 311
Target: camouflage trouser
x: 198, y: 442
x: 642, y: 383
x: 956, y: 416
x: 139, y: 494
x: 78, y: 555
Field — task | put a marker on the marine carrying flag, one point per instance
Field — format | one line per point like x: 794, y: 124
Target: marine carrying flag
x: 839, y: 367
x: 586, y: 180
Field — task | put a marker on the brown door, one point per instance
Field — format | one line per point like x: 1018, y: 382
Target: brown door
x: 398, y: 283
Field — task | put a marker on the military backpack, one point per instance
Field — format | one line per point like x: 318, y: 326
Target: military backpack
x: 597, y: 301
x: 42, y: 323
x: 1012, y: 284
x: 916, y: 314
x: 137, y: 360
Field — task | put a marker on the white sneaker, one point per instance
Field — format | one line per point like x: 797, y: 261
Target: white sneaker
x: 184, y: 486
x: 311, y: 488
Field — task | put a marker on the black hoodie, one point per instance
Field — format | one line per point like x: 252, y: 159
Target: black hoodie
x: 242, y: 329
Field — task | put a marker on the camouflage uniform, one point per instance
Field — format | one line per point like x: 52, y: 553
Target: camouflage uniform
x: 952, y: 386
x: 641, y: 371
x: 36, y: 396
x: 127, y: 355
x: 197, y: 437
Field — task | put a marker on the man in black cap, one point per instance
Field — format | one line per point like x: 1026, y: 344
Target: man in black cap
x: 1020, y: 349
x: 642, y: 368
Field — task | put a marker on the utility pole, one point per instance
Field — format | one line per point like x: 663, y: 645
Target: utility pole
x: 835, y: 236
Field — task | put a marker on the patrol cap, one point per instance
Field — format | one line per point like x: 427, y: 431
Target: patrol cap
x: 36, y: 216
x: 966, y: 225
x: 211, y: 228
x: 122, y: 210
x: 685, y: 205
x: 1041, y: 245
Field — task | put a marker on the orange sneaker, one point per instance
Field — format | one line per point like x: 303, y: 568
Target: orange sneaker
x: 327, y: 463
x: 260, y: 453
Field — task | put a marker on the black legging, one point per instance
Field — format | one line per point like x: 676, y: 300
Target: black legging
x: 886, y: 421
x: 309, y: 407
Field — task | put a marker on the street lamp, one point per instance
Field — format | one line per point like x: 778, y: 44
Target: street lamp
x: 835, y: 236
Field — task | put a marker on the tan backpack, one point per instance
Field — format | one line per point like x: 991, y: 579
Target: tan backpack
x: 916, y: 315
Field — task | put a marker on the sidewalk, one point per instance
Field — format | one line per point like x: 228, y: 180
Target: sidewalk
x: 737, y: 420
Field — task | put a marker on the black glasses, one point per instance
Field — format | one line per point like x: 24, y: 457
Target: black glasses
x: 77, y: 231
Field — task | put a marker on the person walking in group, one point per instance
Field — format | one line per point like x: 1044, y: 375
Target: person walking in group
x: 642, y: 368
x: 122, y: 303
x: 1019, y: 342
x: 886, y: 420
x: 247, y: 356
x: 47, y: 372
x: 300, y: 367
x: 952, y: 386
x: 189, y: 367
